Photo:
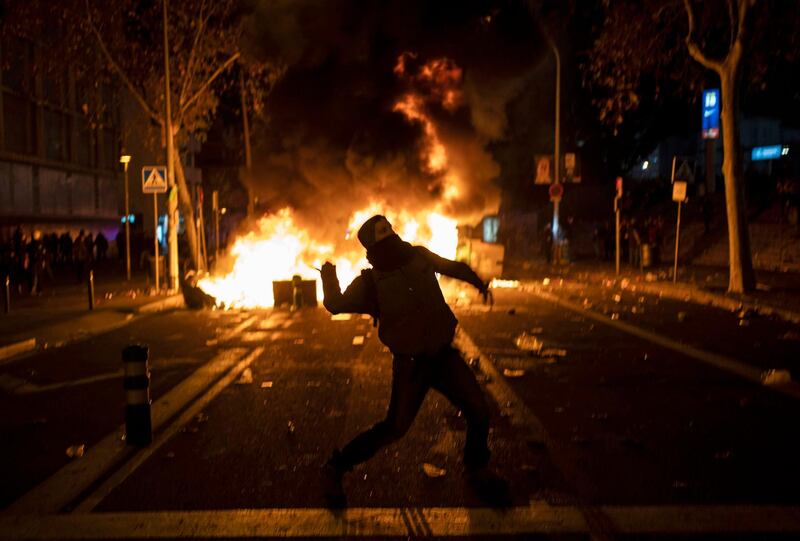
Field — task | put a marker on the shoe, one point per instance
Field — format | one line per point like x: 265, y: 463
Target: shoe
x: 332, y: 489
x: 490, y: 487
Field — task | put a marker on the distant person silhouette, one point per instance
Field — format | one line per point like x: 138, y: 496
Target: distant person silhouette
x: 402, y: 293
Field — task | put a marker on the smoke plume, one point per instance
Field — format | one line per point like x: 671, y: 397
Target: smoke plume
x: 371, y: 89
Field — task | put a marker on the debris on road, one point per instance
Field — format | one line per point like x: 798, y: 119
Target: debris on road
x: 246, y: 378
x: 528, y: 342
x: 546, y: 282
x: 298, y: 341
x: 433, y: 471
x: 682, y: 316
x: 76, y: 451
x: 776, y: 376
x: 554, y: 352
x: 358, y: 340
x: 266, y: 384
x: 513, y: 373
x: 291, y: 427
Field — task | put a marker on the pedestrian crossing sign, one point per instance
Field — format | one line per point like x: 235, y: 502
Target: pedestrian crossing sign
x: 154, y: 179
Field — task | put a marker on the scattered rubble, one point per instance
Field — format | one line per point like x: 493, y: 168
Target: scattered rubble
x: 76, y: 451
x: 433, y: 471
x: 776, y: 376
x: 528, y: 342
x: 246, y: 378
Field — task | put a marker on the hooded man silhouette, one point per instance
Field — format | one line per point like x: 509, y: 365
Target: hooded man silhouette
x: 402, y: 293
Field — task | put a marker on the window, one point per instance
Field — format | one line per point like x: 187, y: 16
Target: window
x: 15, y: 116
x: 55, y: 139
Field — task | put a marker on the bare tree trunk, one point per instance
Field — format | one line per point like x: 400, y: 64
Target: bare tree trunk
x: 741, y: 277
x: 187, y: 209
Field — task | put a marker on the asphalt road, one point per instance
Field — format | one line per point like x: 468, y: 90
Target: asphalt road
x: 631, y: 430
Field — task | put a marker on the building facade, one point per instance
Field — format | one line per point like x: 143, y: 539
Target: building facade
x: 59, y: 146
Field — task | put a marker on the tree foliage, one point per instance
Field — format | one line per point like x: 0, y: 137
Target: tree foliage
x: 124, y: 39
x: 640, y: 56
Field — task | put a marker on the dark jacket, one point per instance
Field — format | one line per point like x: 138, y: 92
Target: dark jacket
x: 413, y: 316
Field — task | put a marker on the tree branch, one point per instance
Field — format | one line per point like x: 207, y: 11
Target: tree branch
x: 190, y: 63
x: 744, y: 8
x: 692, y: 47
x: 116, y: 67
x: 204, y: 86
x: 732, y: 22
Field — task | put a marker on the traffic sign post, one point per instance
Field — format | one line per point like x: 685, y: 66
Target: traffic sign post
x: 616, y: 212
x: 556, y: 192
x: 154, y: 181
x: 679, y: 196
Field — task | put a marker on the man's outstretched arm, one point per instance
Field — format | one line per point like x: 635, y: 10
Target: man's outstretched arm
x: 454, y: 269
x: 353, y: 300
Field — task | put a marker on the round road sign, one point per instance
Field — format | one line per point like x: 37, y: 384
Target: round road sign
x: 556, y: 191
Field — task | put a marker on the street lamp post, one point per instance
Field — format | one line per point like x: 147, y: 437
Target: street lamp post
x: 557, y: 173
x: 125, y: 159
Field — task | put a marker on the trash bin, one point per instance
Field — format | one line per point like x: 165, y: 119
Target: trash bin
x: 647, y: 255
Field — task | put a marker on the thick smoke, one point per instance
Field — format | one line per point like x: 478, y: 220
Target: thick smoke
x: 334, y: 140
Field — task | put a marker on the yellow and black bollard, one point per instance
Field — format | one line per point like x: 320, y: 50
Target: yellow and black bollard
x: 90, y: 287
x: 138, y: 423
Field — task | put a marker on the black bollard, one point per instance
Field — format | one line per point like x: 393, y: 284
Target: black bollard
x: 7, y: 295
x: 91, y: 290
x: 138, y: 423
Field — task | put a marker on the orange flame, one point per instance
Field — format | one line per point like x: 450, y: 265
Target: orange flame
x: 280, y: 249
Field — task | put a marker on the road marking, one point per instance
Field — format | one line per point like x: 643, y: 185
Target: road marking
x: 17, y: 348
x: 527, y: 423
x: 139, y: 458
x: 238, y: 329
x: 537, y: 518
x: 507, y: 400
x: 722, y: 362
x: 21, y: 386
x: 63, y: 487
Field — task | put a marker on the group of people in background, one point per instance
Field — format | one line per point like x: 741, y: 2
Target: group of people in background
x: 27, y: 261
x: 634, y: 235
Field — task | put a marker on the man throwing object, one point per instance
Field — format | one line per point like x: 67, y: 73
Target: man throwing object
x: 416, y: 324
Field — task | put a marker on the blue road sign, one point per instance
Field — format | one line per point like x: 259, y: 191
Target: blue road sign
x: 711, y: 113
x: 771, y: 152
x: 154, y: 179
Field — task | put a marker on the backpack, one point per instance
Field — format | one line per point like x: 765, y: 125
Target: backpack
x: 409, y: 308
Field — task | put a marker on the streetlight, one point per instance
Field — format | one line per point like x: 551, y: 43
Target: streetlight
x: 557, y: 172
x: 125, y: 159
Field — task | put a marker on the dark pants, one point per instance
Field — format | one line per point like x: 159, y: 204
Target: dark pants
x: 446, y: 372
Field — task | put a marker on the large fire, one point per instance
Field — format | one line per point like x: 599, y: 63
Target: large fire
x: 280, y: 248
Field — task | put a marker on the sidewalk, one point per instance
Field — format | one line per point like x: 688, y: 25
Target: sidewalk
x: 776, y: 293
x: 61, y: 313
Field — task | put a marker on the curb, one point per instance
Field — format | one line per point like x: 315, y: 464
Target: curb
x: 17, y: 348
x: 173, y: 301
x: 698, y: 296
